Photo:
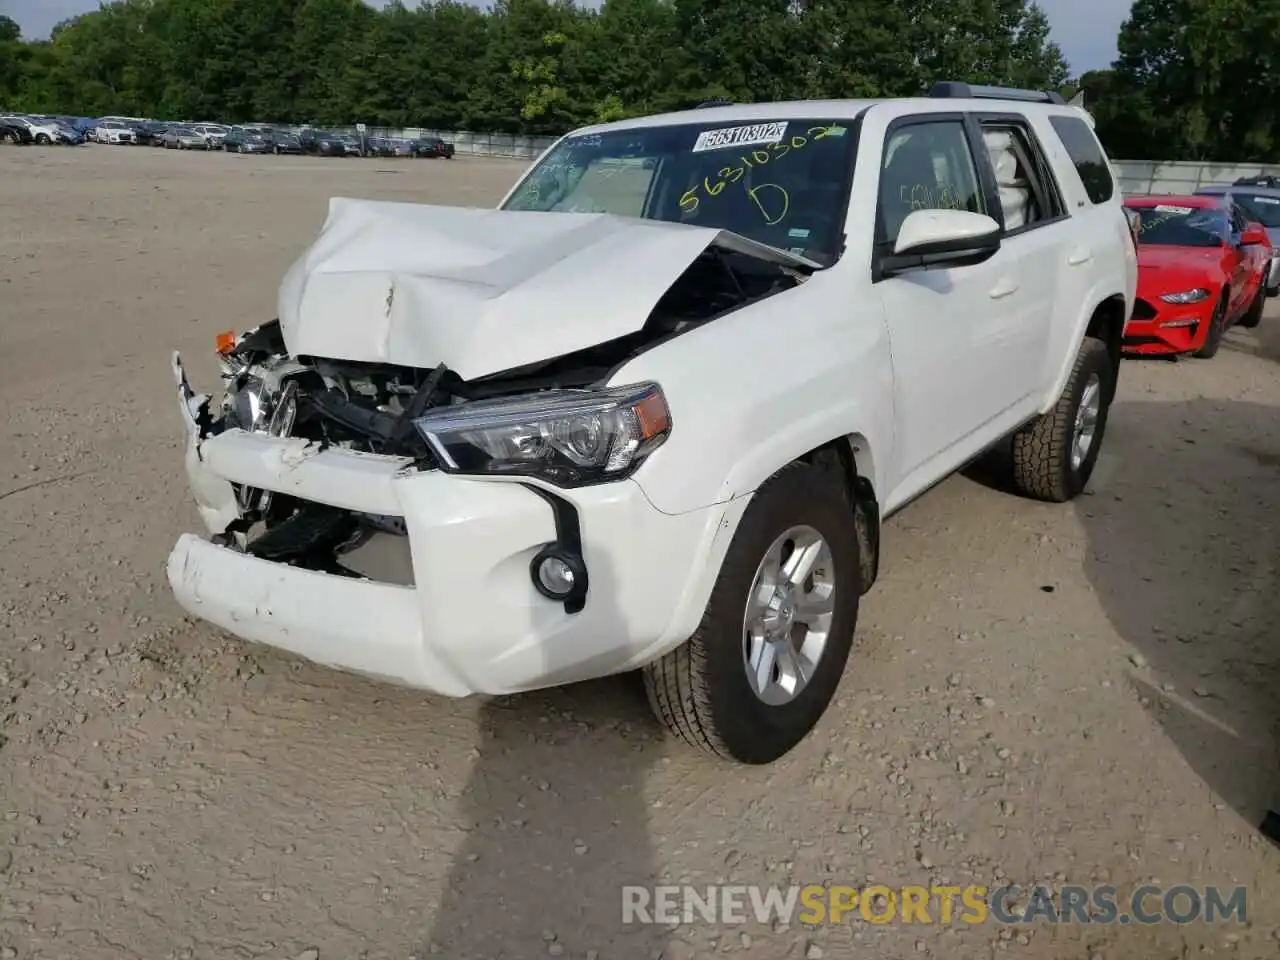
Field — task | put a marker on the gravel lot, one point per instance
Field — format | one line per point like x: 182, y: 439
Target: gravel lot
x: 1040, y: 693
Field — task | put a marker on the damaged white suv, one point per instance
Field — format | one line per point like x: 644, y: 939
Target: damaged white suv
x: 651, y: 412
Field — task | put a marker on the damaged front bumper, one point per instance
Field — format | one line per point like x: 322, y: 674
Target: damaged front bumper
x: 461, y: 614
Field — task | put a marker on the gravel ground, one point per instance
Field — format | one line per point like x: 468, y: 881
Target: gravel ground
x: 1079, y: 693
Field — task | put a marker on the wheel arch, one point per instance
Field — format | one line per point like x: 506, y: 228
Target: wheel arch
x: 1105, y: 316
x: 851, y: 459
x: 1107, y: 324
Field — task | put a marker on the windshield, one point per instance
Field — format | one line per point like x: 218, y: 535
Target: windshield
x: 1262, y: 208
x: 1171, y: 225
x: 777, y: 182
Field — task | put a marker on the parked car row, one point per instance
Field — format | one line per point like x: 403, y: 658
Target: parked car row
x: 35, y: 129
x: 1207, y: 261
x: 248, y: 138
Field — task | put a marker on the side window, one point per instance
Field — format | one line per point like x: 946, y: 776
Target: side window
x: 1087, y: 156
x: 926, y: 166
x: 1028, y: 194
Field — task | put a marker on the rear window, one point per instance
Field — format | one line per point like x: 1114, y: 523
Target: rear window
x: 1085, y: 152
x: 1264, y: 209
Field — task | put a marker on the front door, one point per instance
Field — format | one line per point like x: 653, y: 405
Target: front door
x: 952, y: 330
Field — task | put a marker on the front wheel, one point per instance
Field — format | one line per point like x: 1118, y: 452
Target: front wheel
x: 1217, y: 327
x: 1253, y: 316
x: 766, y: 659
x: 1054, y: 455
x: 43, y: 139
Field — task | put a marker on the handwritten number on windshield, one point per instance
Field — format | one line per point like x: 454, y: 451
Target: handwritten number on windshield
x: 690, y: 200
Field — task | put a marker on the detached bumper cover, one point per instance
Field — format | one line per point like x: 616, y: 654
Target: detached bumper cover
x: 472, y: 622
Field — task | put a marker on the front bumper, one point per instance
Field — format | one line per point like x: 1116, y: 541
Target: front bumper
x: 472, y: 620
x: 1159, y: 328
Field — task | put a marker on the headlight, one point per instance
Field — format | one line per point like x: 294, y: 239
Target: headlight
x: 1186, y: 296
x: 567, y: 437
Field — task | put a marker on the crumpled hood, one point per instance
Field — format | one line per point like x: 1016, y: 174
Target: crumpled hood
x: 482, y: 290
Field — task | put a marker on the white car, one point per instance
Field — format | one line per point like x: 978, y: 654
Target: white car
x: 213, y: 133
x: 652, y: 411
x: 115, y: 132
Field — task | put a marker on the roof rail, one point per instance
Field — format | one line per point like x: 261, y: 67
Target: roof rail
x: 714, y: 103
x: 964, y: 91
x: 1261, y: 180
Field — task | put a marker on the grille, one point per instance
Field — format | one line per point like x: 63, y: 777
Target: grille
x: 1142, y: 310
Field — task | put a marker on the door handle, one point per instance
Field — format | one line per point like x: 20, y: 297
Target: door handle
x: 1003, y: 289
x: 1080, y: 256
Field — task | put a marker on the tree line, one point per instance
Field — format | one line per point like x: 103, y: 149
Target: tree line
x: 528, y: 66
x: 1192, y: 81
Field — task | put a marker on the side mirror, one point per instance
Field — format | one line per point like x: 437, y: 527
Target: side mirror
x: 930, y: 238
x: 1254, y: 236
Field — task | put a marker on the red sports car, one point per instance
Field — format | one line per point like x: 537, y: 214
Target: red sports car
x: 1201, y: 268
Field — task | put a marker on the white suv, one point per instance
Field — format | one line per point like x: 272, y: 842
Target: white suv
x: 651, y: 412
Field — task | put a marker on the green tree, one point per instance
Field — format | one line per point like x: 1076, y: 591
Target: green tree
x: 545, y: 66
x: 1194, y: 79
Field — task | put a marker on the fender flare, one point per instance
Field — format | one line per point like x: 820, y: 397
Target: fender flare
x: 821, y: 430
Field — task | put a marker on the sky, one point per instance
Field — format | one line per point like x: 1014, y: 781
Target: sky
x: 1084, y: 29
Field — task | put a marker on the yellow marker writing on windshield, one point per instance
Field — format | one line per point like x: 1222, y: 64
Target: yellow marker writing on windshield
x: 779, y: 197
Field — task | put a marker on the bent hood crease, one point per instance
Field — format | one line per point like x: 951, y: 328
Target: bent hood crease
x: 483, y: 290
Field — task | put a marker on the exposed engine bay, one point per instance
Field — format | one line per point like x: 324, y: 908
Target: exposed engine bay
x: 370, y: 408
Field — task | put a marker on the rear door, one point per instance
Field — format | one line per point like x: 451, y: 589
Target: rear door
x: 1031, y: 211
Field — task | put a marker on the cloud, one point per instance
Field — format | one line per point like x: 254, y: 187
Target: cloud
x: 1085, y: 29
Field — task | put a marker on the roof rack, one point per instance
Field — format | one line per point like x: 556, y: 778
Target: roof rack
x: 714, y: 103
x: 963, y: 91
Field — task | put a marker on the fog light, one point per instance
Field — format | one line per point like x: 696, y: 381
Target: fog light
x: 558, y: 574
x: 556, y: 577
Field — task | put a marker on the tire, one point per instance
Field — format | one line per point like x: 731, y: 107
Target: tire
x: 701, y: 691
x: 1253, y: 316
x: 1217, y: 327
x: 1043, y: 464
x: 43, y: 139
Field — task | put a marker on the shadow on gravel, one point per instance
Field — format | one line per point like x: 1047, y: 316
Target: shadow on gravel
x: 1184, y: 555
x: 558, y: 825
x: 1263, y: 341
